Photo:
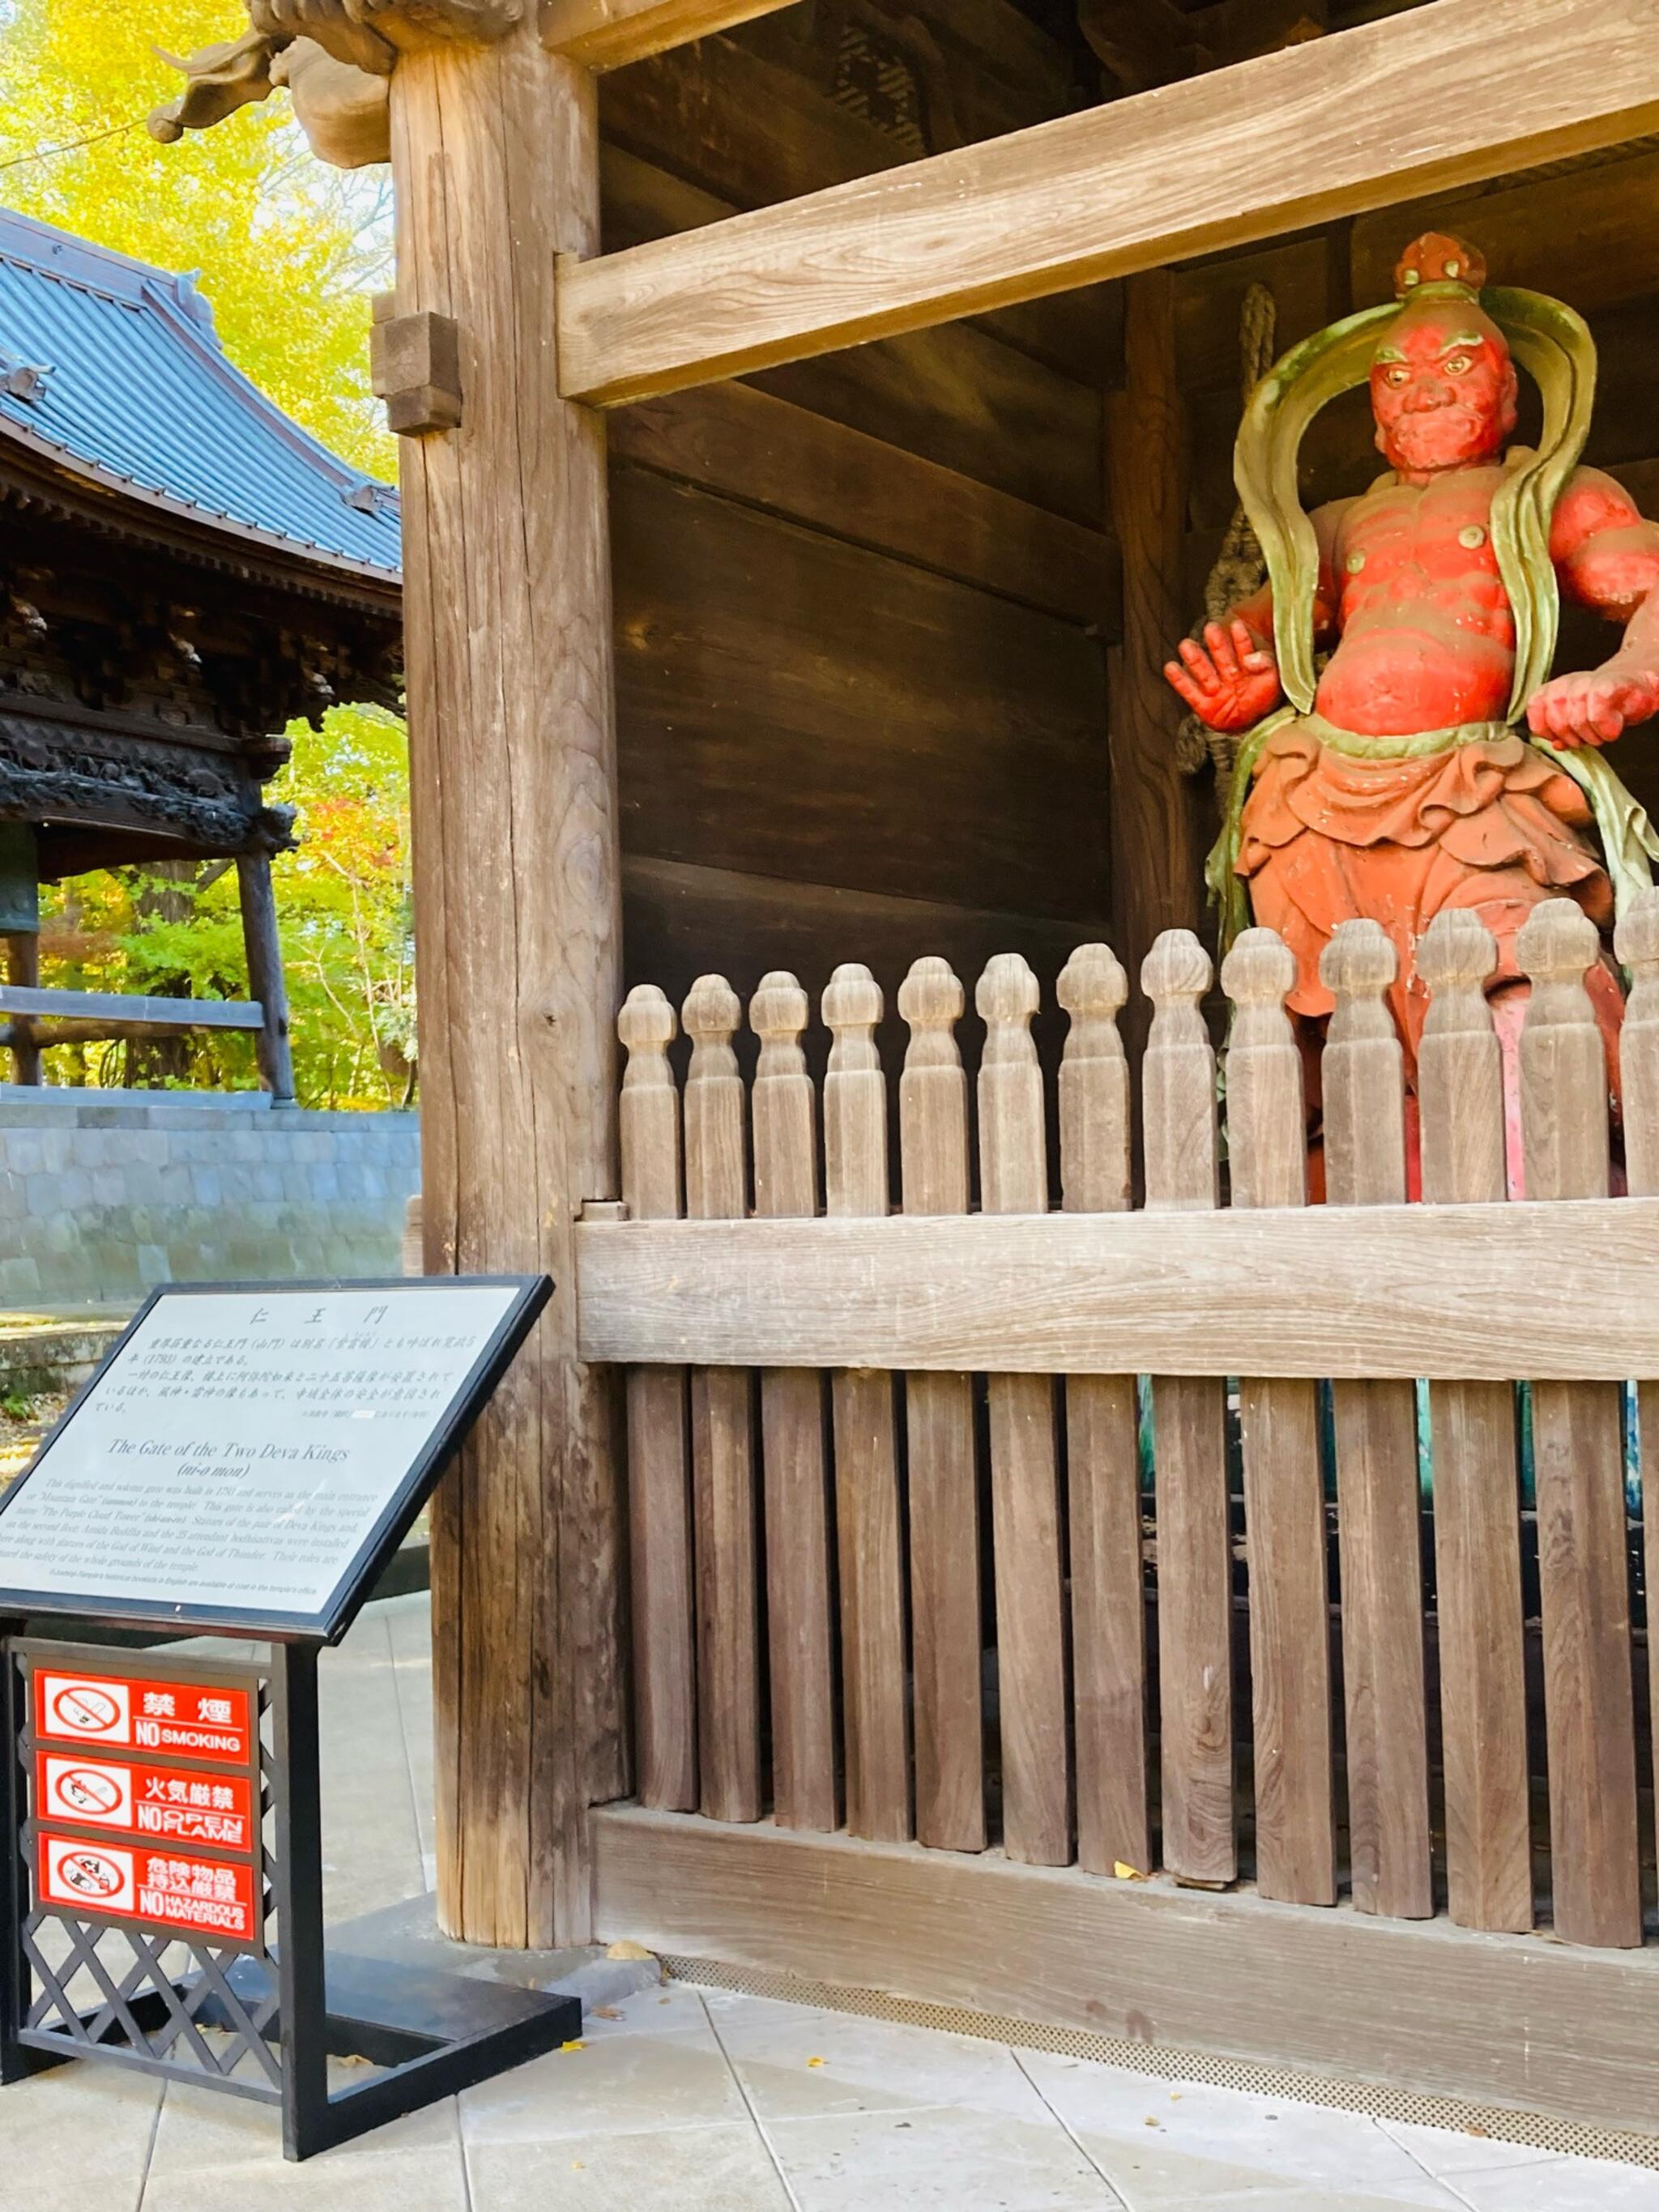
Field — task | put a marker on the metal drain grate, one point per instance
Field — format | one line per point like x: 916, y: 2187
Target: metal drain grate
x: 1163, y: 2063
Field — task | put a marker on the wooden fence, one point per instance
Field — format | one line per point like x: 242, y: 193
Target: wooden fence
x: 866, y: 1447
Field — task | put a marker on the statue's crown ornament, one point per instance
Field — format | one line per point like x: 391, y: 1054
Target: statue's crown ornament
x: 1438, y: 259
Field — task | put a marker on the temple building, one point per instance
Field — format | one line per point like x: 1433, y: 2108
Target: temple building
x: 183, y: 571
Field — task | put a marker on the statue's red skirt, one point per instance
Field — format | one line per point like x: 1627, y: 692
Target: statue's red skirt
x: 1490, y: 825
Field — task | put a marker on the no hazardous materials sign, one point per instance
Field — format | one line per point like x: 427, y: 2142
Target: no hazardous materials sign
x: 162, y: 1889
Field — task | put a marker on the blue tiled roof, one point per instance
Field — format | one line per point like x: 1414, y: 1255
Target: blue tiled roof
x: 138, y: 395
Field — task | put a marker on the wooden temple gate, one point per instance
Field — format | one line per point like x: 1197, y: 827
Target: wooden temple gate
x: 774, y: 1827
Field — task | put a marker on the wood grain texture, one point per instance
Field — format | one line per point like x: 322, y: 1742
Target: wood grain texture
x: 607, y: 34
x: 1430, y: 1294
x: 869, y: 1512
x: 1103, y: 1455
x: 751, y: 446
x: 947, y: 1631
x: 1189, y: 1439
x: 1526, y: 2023
x: 1159, y: 820
x: 1378, y: 1500
x: 1219, y: 161
x: 1578, y: 1451
x: 1283, y: 1487
x: 262, y: 944
x: 1483, y: 1695
x: 799, y: 1574
x: 508, y: 628
x: 663, y: 1593
x: 1032, y: 1656
x: 1637, y: 943
x: 722, y: 1436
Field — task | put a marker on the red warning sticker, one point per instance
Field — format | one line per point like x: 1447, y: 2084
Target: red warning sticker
x: 198, y: 1720
x: 193, y: 1896
x: 137, y: 1799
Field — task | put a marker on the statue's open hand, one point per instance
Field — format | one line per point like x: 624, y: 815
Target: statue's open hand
x: 1229, y: 681
x: 1591, y: 708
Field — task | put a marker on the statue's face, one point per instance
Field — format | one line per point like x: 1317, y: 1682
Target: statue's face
x: 1443, y: 388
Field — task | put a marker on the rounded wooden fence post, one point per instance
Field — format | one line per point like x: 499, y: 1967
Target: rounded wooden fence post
x: 659, y: 1471
x: 1578, y: 1456
x: 722, y: 1440
x: 946, y: 1629
x: 1102, y: 1449
x: 1477, y: 1499
x: 1379, y: 1490
x: 1637, y: 943
x: 1283, y: 1490
x: 869, y: 1516
x: 1032, y: 1658
x: 513, y: 776
x: 799, y: 1532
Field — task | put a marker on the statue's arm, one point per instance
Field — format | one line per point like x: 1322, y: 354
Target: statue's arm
x: 1607, y: 556
x: 1231, y: 679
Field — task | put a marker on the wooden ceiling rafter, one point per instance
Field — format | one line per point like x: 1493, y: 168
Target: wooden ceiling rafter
x: 1217, y: 161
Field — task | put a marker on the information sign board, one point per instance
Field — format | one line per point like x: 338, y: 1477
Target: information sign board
x: 246, y: 1458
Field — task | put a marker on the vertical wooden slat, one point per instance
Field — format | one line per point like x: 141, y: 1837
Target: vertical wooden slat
x: 1284, y: 1489
x: 800, y: 1584
x: 658, y: 1470
x: 1578, y: 1452
x: 722, y: 1442
x: 869, y: 1513
x: 1194, y: 1552
x: 1025, y: 1511
x: 1477, y: 1536
x: 1103, y: 1456
x: 1637, y: 945
x: 1379, y: 1518
x: 946, y: 1631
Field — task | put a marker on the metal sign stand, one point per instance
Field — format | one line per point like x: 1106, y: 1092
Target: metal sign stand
x: 258, y: 2017
x: 161, y: 1863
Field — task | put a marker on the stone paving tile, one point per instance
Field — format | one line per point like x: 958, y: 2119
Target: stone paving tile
x: 796, y: 2063
x: 1167, y: 2146
x: 716, y: 2169
x: 75, y: 2139
x: 942, y: 2158
x: 1449, y: 2151
x: 1562, y: 2185
x: 408, y: 1627
x: 617, y: 2084
x: 215, y: 2154
x: 371, y: 1839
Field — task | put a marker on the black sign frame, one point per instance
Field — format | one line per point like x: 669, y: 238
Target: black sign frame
x: 357, y: 1582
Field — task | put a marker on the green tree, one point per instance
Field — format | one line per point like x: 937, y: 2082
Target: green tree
x: 286, y: 252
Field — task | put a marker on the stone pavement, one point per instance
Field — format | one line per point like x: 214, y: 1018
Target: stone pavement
x: 698, y: 2100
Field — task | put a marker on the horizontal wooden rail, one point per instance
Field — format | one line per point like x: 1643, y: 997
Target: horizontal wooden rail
x: 1456, y: 1292
x: 606, y: 34
x: 115, y: 1010
x: 1448, y: 95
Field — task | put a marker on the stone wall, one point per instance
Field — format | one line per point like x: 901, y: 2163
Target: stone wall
x: 103, y: 1197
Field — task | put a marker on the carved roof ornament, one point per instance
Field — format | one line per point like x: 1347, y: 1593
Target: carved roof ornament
x: 334, y: 55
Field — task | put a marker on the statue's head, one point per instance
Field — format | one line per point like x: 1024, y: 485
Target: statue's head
x: 1442, y: 382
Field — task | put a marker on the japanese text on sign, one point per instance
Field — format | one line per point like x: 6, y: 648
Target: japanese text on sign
x: 199, y: 1720
x: 135, y: 1798
x: 162, y: 1890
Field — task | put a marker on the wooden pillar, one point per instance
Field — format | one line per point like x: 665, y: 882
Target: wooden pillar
x: 265, y: 979
x: 22, y: 950
x: 508, y: 625
x: 1159, y: 817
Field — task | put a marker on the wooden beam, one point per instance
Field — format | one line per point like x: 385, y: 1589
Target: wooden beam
x: 508, y: 623
x: 1446, y: 2012
x: 1445, y: 95
x: 262, y: 941
x: 116, y: 1008
x: 748, y: 446
x: 1423, y: 1291
x: 607, y: 34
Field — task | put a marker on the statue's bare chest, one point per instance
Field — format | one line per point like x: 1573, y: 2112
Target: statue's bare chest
x: 1401, y: 539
